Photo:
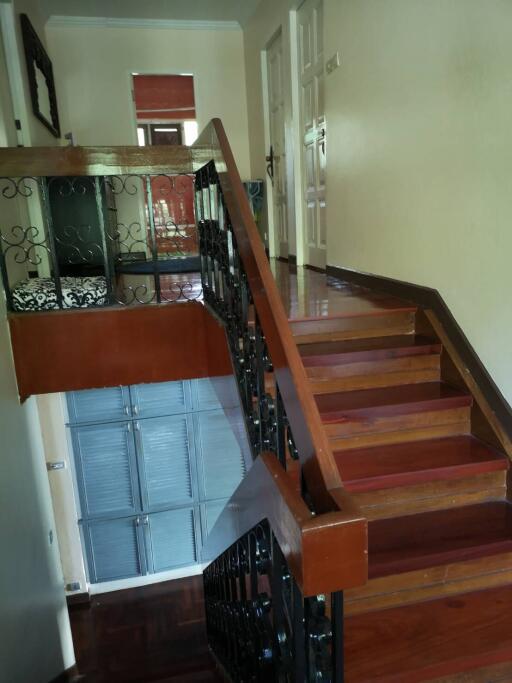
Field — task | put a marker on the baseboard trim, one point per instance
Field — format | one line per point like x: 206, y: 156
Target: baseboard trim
x: 74, y: 599
x: 291, y: 259
x: 316, y: 269
x: 66, y: 676
x: 427, y: 297
x: 147, y: 579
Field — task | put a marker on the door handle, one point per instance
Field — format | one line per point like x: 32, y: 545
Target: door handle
x: 322, y: 138
x: 270, y: 164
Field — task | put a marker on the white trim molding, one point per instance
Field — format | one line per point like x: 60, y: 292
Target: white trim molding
x: 65, y: 21
x: 146, y: 580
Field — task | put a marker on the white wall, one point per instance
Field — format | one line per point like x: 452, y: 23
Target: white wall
x: 92, y: 67
x: 418, y: 150
x: 33, y: 131
x: 53, y: 418
x: 35, y: 642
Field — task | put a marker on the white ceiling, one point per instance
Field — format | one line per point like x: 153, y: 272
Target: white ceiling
x: 182, y: 10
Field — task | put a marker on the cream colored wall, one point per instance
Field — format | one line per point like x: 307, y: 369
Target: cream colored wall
x: 418, y: 152
x: 33, y: 132
x: 53, y: 418
x: 35, y: 643
x: 419, y: 182
x: 92, y: 67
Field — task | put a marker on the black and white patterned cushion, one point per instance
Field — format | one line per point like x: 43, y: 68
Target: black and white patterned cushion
x: 38, y: 294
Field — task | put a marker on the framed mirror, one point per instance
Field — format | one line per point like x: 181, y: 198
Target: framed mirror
x: 40, y: 78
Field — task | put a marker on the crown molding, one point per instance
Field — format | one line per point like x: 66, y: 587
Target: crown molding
x: 57, y: 20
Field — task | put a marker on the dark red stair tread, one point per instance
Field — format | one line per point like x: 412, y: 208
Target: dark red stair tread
x: 416, y: 462
x: 440, y: 537
x: 423, y: 641
x: 360, y: 350
x: 399, y: 400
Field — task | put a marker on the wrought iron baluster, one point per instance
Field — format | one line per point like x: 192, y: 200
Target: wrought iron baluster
x: 154, y: 245
x: 107, y: 260
x: 337, y: 621
x: 280, y: 422
x: 298, y: 634
x: 5, y: 278
x: 50, y: 239
x: 279, y: 637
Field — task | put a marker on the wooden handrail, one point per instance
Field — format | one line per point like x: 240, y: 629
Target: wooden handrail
x: 315, y: 547
x: 16, y: 162
x: 316, y: 457
x: 326, y: 551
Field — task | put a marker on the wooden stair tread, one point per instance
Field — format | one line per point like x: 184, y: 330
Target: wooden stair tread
x: 440, y: 537
x: 416, y: 462
x: 397, y: 400
x: 420, y: 642
x: 359, y: 350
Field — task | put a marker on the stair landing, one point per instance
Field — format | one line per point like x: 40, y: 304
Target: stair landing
x: 309, y: 295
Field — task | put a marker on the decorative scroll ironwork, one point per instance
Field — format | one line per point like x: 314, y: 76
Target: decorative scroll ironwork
x: 136, y: 234
x: 260, y: 627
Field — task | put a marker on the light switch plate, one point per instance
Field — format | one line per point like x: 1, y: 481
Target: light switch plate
x: 333, y: 63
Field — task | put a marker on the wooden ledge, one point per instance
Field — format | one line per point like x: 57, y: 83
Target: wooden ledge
x: 93, y: 348
x: 16, y: 162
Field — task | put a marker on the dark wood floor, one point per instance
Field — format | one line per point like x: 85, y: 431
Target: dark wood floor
x: 152, y: 634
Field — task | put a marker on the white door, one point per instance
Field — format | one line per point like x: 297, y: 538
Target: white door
x: 312, y: 126
x: 276, y: 161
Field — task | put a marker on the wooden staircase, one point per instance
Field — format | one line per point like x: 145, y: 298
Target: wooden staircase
x: 419, y: 454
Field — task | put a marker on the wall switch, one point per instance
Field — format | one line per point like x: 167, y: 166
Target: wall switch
x: 73, y: 586
x: 332, y: 63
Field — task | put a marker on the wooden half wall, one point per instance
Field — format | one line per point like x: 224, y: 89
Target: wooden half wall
x: 83, y: 349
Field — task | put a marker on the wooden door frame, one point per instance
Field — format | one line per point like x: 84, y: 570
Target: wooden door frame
x: 298, y: 160
x: 298, y: 181
x: 270, y: 236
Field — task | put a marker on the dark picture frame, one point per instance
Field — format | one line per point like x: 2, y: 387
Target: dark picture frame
x: 40, y: 73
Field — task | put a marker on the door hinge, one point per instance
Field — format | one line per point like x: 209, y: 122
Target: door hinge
x: 56, y: 465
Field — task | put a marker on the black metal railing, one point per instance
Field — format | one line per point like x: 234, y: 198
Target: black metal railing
x: 85, y: 241
x: 260, y: 627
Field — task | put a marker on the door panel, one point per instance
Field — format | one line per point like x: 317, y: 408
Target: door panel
x: 276, y: 102
x: 165, y: 452
x: 220, y: 459
x: 106, y: 469
x: 98, y: 405
x: 312, y: 122
x: 114, y: 549
x: 164, y: 398
x: 171, y: 539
